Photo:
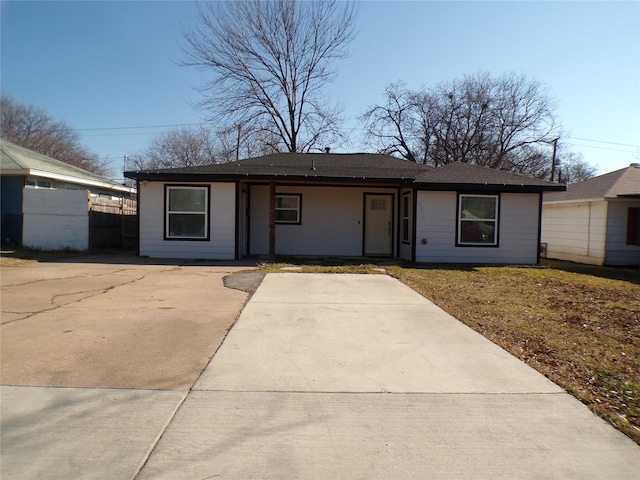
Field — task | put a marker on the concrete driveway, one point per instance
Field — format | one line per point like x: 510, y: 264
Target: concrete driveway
x: 323, y: 376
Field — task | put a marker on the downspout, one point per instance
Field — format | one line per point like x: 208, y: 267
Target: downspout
x: 138, y: 216
x: 539, y: 244
x: 414, y: 225
x: 272, y: 219
x: 237, y: 215
x: 398, y: 223
x: 589, y: 232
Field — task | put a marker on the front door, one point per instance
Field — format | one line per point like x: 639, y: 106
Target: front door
x: 378, y: 224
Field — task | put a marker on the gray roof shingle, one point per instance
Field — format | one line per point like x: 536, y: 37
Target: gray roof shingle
x: 16, y: 160
x: 351, y: 167
x: 462, y: 173
x: 620, y: 183
x: 305, y: 165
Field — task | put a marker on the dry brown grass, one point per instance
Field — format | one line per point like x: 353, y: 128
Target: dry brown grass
x: 18, y: 257
x: 579, y: 326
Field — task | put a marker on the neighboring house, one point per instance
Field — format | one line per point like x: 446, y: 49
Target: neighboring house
x: 22, y: 172
x: 596, y: 221
x: 346, y: 205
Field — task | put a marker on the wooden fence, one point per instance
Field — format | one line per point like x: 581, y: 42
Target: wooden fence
x: 113, y: 223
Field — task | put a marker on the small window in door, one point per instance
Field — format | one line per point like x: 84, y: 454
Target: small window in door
x: 378, y: 204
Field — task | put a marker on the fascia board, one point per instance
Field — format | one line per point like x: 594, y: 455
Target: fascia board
x: 81, y: 181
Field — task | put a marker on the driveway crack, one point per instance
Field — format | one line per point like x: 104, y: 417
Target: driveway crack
x: 90, y: 294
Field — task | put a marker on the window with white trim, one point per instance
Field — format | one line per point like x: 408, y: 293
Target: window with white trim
x: 478, y: 220
x: 288, y: 208
x: 405, y: 214
x: 39, y: 184
x: 187, y: 212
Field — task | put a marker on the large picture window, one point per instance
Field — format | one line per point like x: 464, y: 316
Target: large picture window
x: 288, y: 208
x: 478, y: 220
x: 187, y: 212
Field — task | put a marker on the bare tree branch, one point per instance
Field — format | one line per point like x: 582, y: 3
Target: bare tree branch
x: 502, y: 122
x: 33, y: 128
x: 270, y: 61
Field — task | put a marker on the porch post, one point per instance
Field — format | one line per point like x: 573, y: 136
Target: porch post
x: 272, y: 219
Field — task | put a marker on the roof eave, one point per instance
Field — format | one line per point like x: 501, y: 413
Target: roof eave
x: 81, y: 181
x: 213, y: 177
x: 489, y: 187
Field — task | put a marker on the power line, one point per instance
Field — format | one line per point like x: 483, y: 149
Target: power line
x: 125, y: 133
x: 348, y: 129
x: 601, y: 148
x: 137, y: 127
x: 602, y: 141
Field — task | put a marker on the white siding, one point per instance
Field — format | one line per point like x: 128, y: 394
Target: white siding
x: 331, y: 221
x: 575, y: 231
x: 617, y: 250
x: 222, y: 241
x: 55, y: 219
x: 436, y: 219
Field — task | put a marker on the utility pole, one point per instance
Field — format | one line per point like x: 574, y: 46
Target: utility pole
x: 553, y: 158
x: 238, y: 143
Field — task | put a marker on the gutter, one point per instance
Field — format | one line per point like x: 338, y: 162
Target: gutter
x: 81, y: 181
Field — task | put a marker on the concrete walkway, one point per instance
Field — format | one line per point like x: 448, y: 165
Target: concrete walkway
x: 323, y: 376
x: 355, y: 376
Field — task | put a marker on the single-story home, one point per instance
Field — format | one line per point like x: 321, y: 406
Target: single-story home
x: 23, y: 172
x: 596, y: 221
x: 343, y: 205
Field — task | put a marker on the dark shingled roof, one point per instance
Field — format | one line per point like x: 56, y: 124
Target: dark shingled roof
x: 311, y: 166
x: 457, y: 173
x: 352, y: 167
x: 621, y: 183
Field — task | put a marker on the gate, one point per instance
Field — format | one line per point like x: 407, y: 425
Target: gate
x: 113, y: 223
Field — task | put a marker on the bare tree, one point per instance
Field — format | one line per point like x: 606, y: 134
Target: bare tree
x: 180, y: 148
x: 504, y: 123
x: 33, y: 128
x: 572, y: 168
x: 270, y: 61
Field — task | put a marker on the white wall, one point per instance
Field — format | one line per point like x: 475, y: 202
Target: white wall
x: 617, y: 250
x: 436, y: 219
x: 575, y: 231
x: 55, y: 219
x: 222, y: 240
x: 332, y: 221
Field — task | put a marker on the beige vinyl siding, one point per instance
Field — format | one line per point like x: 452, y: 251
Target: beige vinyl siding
x: 222, y: 224
x: 331, y: 221
x: 575, y: 231
x: 436, y: 230
x: 617, y: 250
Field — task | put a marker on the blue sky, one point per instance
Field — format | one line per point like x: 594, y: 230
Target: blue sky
x: 102, y: 66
